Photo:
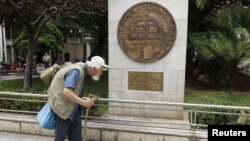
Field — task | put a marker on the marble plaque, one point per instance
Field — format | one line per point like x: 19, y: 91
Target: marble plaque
x: 148, y: 81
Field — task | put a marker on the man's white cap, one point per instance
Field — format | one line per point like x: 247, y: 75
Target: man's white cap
x: 98, y: 61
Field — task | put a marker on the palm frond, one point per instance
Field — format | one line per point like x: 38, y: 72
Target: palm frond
x: 201, y: 4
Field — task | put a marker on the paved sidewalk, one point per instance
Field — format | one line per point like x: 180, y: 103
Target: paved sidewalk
x: 13, y: 76
x: 6, y: 136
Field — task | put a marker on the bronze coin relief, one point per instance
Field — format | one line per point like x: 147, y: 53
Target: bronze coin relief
x: 146, y: 32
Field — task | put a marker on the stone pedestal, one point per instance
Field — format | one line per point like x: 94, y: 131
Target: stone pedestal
x: 149, y: 77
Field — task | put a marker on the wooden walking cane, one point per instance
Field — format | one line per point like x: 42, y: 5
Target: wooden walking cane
x: 86, y: 118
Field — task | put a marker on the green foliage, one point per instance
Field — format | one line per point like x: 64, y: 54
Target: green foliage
x: 35, y: 14
x: 216, y: 45
x: 225, y: 44
x: 21, y: 43
x: 98, y: 111
x: 233, y: 98
x: 99, y: 88
x: 228, y: 98
x: 50, y: 38
x: 221, y: 118
x: 201, y: 3
x: 17, y: 86
x: 19, y: 103
x: 230, y: 18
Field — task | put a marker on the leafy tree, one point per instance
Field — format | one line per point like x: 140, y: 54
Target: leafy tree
x: 100, y: 26
x: 199, y: 23
x: 225, y: 45
x: 94, y: 23
x: 215, y: 5
x: 50, y: 38
x: 33, y: 15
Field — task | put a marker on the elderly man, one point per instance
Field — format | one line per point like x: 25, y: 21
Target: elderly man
x: 65, y: 94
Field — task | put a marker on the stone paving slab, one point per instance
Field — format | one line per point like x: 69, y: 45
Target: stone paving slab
x: 6, y: 136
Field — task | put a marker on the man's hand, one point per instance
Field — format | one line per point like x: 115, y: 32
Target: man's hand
x: 88, y: 103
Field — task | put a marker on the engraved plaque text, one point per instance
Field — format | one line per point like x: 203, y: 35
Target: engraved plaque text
x: 149, y: 81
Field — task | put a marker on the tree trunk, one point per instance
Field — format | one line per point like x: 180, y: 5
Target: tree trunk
x: 28, y: 68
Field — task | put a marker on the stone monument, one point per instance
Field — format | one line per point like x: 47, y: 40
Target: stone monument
x: 147, y: 55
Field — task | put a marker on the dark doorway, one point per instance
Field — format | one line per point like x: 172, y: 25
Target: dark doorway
x: 66, y: 57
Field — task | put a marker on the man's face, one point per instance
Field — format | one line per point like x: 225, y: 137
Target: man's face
x: 96, y: 74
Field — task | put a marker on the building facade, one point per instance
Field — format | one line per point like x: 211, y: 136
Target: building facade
x: 7, y: 53
x: 76, y: 48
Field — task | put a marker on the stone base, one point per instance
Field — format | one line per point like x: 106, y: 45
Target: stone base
x: 113, y: 128
x: 163, y: 112
x: 127, y: 128
x: 146, y: 122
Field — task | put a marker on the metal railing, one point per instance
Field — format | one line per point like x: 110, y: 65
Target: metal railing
x: 199, y: 115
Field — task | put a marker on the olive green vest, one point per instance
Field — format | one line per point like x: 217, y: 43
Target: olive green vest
x: 62, y: 106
